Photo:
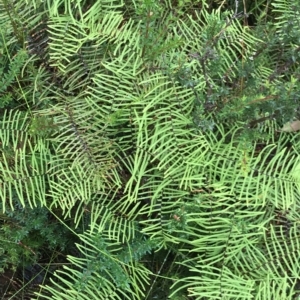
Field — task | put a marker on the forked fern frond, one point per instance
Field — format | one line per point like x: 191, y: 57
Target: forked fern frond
x: 24, y: 163
x: 106, y: 267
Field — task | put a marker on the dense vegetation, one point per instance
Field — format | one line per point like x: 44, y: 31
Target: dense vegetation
x: 149, y: 149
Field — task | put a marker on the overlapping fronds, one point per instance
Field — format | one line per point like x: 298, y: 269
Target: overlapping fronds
x: 106, y: 269
x: 24, y: 162
x: 215, y: 46
x: 243, y: 231
x: 128, y: 139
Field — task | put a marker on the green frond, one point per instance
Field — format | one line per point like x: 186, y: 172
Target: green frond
x: 106, y: 268
x: 24, y: 162
x: 216, y: 40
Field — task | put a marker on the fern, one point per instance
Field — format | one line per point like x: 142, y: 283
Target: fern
x: 156, y: 124
x: 100, y: 269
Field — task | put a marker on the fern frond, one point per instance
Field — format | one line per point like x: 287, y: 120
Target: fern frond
x: 24, y: 163
x: 100, y: 270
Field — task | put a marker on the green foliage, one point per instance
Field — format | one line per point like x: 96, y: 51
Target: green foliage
x: 157, y: 125
x: 10, y: 69
x: 26, y: 233
x: 106, y: 265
